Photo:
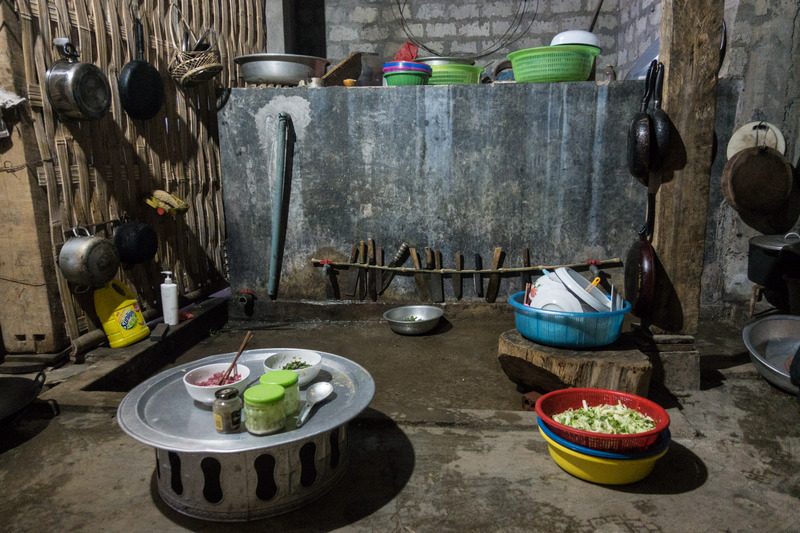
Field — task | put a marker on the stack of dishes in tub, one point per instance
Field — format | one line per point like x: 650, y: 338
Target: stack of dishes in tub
x: 564, y: 309
x: 603, y: 436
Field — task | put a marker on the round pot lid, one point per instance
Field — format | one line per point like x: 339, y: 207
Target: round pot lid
x: 756, y: 134
x: 775, y: 242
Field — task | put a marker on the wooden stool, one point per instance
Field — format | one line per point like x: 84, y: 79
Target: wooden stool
x: 620, y: 366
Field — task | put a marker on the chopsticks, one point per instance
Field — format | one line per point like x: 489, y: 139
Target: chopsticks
x: 233, y: 364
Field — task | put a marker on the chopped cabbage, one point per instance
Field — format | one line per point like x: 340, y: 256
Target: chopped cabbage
x: 613, y: 419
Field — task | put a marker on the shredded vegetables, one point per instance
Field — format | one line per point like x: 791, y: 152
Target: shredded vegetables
x: 613, y: 419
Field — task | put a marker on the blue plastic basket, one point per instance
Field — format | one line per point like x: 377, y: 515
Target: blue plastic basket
x: 567, y: 330
x: 657, y: 447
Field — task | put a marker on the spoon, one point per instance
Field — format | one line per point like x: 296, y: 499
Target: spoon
x: 315, y: 393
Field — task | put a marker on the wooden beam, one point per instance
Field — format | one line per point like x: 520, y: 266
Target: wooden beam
x: 691, y: 32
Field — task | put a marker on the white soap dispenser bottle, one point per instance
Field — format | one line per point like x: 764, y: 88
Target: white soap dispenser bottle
x: 169, y: 299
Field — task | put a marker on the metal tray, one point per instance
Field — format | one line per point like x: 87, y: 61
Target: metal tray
x: 160, y: 413
x: 770, y: 342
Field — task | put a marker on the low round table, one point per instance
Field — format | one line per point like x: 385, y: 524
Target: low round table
x: 240, y: 476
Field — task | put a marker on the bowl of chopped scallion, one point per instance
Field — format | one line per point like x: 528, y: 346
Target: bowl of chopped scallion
x: 413, y: 319
x: 305, y: 363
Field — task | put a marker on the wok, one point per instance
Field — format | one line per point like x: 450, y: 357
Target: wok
x: 140, y: 87
x: 16, y: 393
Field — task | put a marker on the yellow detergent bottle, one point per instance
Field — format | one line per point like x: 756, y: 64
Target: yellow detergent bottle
x: 118, y: 310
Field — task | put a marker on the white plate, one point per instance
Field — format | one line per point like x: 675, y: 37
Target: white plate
x: 576, y: 283
x: 751, y: 135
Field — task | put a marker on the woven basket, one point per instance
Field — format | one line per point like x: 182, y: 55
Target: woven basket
x: 569, y: 62
x: 190, y: 68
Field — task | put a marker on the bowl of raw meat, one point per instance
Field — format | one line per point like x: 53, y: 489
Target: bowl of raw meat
x: 203, y: 382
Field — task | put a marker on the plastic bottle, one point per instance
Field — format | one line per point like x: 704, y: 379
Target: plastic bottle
x: 119, y: 312
x: 169, y: 299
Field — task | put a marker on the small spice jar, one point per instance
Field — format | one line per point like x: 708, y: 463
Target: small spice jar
x: 227, y: 409
x: 288, y: 380
x: 264, y: 410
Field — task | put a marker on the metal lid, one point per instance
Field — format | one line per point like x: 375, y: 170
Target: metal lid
x: 227, y: 393
x: 263, y: 394
x: 775, y: 242
x: 284, y: 378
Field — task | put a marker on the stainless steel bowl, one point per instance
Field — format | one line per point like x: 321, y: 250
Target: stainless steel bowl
x: 413, y: 319
x: 280, y: 69
x: 443, y: 60
x: 770, y: 342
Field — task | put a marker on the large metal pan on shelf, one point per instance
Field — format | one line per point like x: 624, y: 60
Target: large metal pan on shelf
x: 280, y: 69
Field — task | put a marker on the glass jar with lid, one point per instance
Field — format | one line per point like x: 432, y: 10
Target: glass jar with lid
x: 289, y: 381
x: 264, y: 410
x: 227, y: 409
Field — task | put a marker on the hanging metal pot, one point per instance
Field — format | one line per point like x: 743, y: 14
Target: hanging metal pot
x: 76, y: 90
x: 136, y: 242
x: 87, y: 259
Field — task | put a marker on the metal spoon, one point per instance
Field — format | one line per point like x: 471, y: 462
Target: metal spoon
x: 315, y: 393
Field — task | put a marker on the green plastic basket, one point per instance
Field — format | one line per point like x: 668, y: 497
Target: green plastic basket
x: 455, y: 74
x: 406, y: 78
x: 568, y: 62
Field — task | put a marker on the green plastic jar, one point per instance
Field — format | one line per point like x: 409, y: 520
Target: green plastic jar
x: 264, y: 410
x: 288, y: 380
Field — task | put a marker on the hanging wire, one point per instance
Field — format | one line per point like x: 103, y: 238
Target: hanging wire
x: 509, y: 37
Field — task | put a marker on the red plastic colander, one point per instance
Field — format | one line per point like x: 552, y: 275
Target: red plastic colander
x: 558, y: 401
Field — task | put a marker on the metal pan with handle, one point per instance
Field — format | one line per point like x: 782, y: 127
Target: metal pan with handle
x: 640, y: 266
x: 640, y: 133
x: 661, y: 123
x: 141, y: 89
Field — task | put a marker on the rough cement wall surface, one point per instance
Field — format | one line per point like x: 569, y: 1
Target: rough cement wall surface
x: 455, y: 168
x: 638, y: 29
x: 461, y: 28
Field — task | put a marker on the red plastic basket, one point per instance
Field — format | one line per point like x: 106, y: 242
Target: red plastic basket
x: 558, y: 401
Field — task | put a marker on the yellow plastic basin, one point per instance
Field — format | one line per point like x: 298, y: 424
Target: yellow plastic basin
x: 599, y: 469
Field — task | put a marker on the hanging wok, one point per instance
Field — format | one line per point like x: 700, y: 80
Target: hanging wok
x: 141, y: 89
x: 640, y: 267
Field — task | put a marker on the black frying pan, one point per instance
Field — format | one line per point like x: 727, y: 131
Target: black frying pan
x: 660, y: 122
x: 16, y: 393
x: 640, y: 133
x: 140, y: 87
x: 640, y: 267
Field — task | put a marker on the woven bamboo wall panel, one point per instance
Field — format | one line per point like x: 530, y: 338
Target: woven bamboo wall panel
x: 99, y: 172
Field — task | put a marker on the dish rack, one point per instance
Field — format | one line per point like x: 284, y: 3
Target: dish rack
x: 455, y: 74
x: 569, y: 62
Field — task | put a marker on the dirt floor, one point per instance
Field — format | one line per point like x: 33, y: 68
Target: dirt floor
x: 444, y: 446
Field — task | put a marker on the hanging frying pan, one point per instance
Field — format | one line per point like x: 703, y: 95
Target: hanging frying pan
x: 140, y: 87
x: 640, y: 133
x: 640, y: 267
x: 757, y: 180
x: 660, y: 122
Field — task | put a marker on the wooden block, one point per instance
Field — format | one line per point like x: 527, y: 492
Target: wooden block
x: 620, y: 366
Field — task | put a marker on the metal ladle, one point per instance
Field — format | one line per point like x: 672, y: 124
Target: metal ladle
x: 315, y: 394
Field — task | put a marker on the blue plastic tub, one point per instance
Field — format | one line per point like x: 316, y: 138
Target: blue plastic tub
x: 657, y: 447
x: 567, y: 330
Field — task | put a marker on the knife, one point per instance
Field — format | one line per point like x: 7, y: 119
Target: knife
x: 457, y: 277
x: 526, y: 262
x: 419, y: 277
x: 477, y: 277
x: 399, y: 258
x: 437, y: 284
x: 429, y: 265
x: 371, y: 283
x: 362, y: 275
x: 352, y: 273
x: 494, y: 278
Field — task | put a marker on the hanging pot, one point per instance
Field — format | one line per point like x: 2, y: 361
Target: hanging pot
x: 141, y: 89
x: 76, y: 90
x: 87, y: 259
x: 136, y: 242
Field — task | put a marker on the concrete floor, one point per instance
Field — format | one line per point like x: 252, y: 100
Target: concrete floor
x: 444, y: 446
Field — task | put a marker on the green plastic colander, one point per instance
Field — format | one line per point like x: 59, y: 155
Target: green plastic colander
x: 569, y: 62
x: 455, y: 74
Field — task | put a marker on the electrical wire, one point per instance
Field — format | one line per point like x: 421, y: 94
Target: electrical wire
x: 510, y: 36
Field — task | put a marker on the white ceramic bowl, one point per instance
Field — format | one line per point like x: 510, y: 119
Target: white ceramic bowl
x: 552, y: 295
x: 283, y: 357
x: 583, y: 289
x: 206, y: 394
x: 576, y: 37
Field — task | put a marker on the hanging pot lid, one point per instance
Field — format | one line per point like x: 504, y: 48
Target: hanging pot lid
x: 775, y: 242
x: 756, y: 134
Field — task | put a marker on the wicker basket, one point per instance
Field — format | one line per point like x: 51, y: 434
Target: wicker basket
x: 553, y: 63
x: 188, y: 67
